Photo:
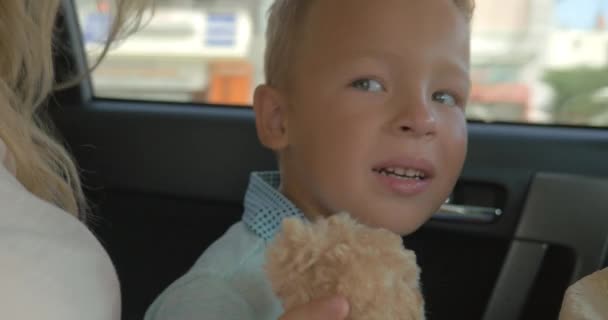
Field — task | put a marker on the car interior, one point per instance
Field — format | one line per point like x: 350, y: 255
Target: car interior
x: 527, y: 218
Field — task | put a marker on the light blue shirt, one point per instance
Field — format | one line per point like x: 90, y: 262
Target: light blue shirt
x: 228, y: 280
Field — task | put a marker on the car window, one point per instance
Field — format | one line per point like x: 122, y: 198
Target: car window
x: 533, y: 61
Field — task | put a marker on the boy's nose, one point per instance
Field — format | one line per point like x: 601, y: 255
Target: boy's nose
x: 417, y: 119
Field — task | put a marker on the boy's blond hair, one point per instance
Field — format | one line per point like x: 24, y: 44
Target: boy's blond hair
x: 284, y: 19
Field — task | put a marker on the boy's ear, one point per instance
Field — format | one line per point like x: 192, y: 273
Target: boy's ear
x: 270, y: 117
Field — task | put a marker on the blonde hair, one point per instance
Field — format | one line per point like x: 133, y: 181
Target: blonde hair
x: 43, y: 165
x: 284, y: 20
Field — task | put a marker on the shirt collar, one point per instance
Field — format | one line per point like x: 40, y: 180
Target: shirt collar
x: 265, y: 206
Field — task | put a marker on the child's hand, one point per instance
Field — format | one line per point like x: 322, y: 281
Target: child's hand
x: 334, y: 308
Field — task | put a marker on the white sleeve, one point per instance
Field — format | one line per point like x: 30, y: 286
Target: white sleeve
x: 44, y: 278
x: 51, y: 266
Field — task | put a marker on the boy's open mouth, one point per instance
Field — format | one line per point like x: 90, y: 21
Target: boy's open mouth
x: 401, y: 173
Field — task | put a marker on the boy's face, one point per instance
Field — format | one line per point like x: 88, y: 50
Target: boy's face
x: 373, y: 120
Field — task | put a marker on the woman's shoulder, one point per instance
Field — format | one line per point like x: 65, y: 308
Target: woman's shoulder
x: 52, y: 265
x: 22, y: 211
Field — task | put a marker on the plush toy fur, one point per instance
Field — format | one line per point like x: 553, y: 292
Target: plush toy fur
x: 369, y: 267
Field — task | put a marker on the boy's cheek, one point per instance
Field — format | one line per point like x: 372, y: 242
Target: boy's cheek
x: 457, y: 138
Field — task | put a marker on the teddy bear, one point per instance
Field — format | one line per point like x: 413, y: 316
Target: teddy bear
x: 586, y: 299
x: 338, y: 255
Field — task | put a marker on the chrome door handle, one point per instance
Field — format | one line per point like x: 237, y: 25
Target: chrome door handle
x: 469, y: 214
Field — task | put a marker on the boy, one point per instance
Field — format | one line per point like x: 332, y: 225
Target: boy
x: 364, y: 106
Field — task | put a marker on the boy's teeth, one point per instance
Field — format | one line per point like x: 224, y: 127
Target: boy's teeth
x: 412, y: 172
x: 402, y: 173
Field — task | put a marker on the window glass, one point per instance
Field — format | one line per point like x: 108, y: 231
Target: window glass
x: 533, y: 61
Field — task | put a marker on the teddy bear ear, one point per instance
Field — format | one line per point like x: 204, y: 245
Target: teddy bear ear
x: 296, y: 231
x: 344, y: 223
x: 293, y: 226
x: 341, y: 218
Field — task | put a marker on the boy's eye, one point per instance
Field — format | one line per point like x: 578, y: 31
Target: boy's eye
x: 368, y: 85
x: 445, y: 98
